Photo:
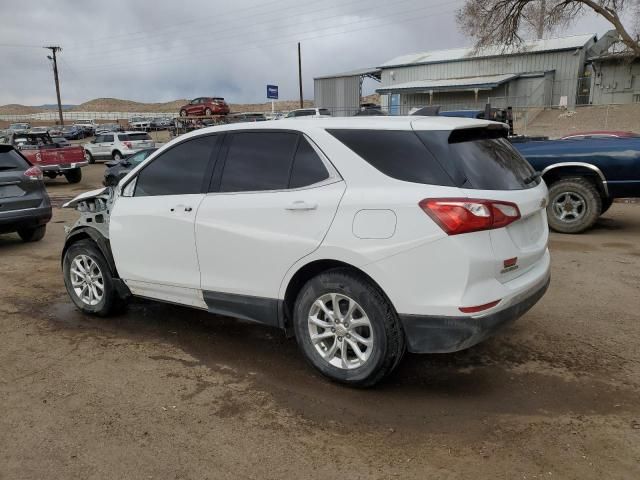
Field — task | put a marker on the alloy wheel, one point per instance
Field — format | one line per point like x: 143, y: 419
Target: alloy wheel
x: 87, y: 280
x: 340, y: 331
x: 569, y: 206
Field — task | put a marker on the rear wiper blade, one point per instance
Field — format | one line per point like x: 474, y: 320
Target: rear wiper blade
x: 532, y: 178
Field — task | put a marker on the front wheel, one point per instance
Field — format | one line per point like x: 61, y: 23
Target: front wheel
x: 208, y: 112
x: 74, y: 175
x: 88, y: 279
x: 88, y: 157
x: 574, y: 205
x: 347, y: 329
x: 183, y: 113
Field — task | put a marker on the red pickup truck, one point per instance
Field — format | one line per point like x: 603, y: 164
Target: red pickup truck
x: 52, y: 158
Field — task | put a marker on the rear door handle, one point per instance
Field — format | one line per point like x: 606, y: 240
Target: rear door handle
x: 302, y: 205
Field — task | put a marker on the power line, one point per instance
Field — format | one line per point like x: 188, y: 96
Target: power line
x: 296, y: 35
x: 161, y: 30
x: 215, y: 36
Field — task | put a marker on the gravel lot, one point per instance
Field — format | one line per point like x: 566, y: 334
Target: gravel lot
x: 168, y: 392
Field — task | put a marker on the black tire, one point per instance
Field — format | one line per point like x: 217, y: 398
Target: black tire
x: 183, y: 113
x: 388, y: 338
x: 208, y: 112
x: 89, y: 157
x: 110, y: 301
x: 74, y: 175
x: 606, y: 204
x: 110, y: 181
x: 116, y: 155
x: 585, y: 193
x: 33, y: 234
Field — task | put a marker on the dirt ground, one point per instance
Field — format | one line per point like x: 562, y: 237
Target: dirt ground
x: 167, y: 392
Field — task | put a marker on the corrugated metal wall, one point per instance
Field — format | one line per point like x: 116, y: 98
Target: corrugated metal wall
x: 568, y: 66
x: 341, y: 95
x: 617, y: 82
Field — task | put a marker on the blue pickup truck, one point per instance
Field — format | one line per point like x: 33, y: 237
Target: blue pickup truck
x: 584, y: 176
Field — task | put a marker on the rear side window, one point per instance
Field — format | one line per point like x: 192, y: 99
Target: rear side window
x: 480, y: 158
x: 397, y: 153
x: 258, y: 161
x: 307, y: 166
x: 132, y: 137
x: 178, y: 171
x: 107, y: 138
x: 11, y: 160
x: 324, y: 111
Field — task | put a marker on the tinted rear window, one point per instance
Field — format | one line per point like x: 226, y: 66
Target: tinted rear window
x: 397, y: 153
x: 132, y: 137
x: 480, y: 158
x: 11, y: 160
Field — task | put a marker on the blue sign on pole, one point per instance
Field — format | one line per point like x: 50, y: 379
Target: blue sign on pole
x: 272, y: 92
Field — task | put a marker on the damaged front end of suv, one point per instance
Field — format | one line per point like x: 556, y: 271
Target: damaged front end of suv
x: 93, y: 226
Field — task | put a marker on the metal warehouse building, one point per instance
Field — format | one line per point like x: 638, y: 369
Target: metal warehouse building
x: 540, y: 73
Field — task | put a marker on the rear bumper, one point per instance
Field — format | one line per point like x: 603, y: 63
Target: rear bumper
x: 442, y: 334
x: 63, y: 167
x: 25, y: 218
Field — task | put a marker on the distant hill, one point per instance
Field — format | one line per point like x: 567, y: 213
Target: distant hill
x: 15, y: 109
x: 117, y: 105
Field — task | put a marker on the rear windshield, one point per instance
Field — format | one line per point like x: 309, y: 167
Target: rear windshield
x: 132, y: 137
x: 476, y: 158
x: 11, y: 160
x: 480, y: 158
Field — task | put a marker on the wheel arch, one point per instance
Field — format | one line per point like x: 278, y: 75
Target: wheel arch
x: 304, y: 274
x: 557, y: 171
x: 103, y: 244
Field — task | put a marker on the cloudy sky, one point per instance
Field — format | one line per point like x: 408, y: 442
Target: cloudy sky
x: 161, y: 50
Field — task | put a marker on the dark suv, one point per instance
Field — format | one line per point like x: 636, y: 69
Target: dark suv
x: 24, y: 203
x: 205, y: 106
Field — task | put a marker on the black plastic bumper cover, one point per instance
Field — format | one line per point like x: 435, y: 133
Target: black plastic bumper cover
x: 433, y: 334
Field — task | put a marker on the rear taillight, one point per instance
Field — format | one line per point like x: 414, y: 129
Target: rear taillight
x: 129, y: 145
x: 464, y: 215
x: 33, y: 173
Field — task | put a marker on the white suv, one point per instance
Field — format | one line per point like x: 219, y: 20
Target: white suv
x: 116, y: 145
x: 363, y: 237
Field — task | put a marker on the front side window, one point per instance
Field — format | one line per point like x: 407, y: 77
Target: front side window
x: 180, y: 170
x: 258, y: 161
x: 99, y: 139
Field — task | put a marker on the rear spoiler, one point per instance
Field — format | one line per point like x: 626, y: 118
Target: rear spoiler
x: 483, y: 132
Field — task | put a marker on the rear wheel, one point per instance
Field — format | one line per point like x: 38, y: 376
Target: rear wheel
x: 33, y: 234
x: 117, y: 155
x: 347, y: 329
x: 208, y: 112
x: 88, y: 279
x: 74, y: 175
x: 574, y: 205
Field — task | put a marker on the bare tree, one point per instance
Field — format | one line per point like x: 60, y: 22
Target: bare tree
x: 493, y: 22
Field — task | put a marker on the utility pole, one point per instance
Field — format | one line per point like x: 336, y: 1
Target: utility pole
x: 300, y: 75
x: 542, y: 15
x: 52, y: 57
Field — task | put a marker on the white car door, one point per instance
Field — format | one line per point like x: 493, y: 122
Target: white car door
x: 106, y: 145
x: 273, y: 199
x: 152, y: 229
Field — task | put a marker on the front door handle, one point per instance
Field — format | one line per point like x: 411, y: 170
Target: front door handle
x: 302, y: 205
x: 186, y: 208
